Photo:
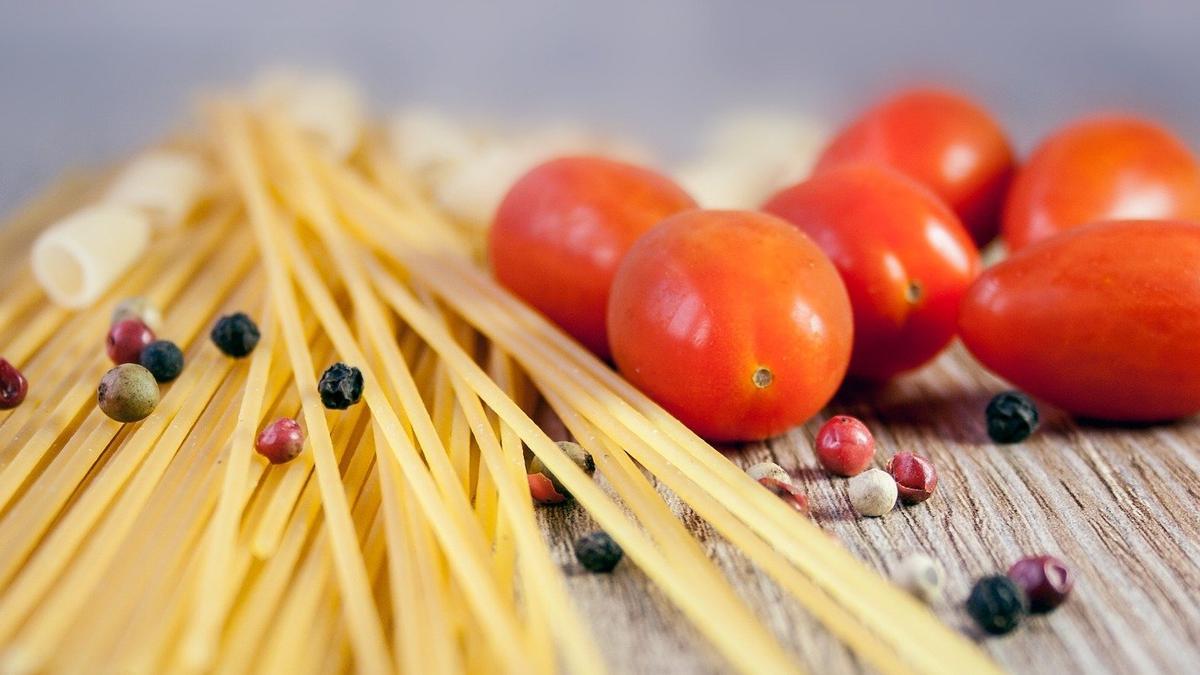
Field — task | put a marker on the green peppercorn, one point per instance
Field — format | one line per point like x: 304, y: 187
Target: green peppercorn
x: 997, y: 604
x: 1011, y: 417
x: 598, y: 552
x: 164, y: 360
x: 582, y: 459
x: 341, y: 386
x: 235, y: 335
x: 128, y: 393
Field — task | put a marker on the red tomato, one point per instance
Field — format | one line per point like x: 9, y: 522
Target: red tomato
x: 942, y: 140
x: 904, y: 257
x: 1104, y: 168
x: 563, y: 228
x: 1103, y: 321
x: 733, y: 321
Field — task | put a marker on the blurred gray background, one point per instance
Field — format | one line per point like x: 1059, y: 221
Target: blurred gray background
x: 85, y: 82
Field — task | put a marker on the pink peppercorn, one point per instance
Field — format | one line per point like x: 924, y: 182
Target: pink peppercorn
x: 13, y: 386
x: 127, y: 339
x: 543, y: 491
x: 845, y: 446
x: 915, y: 477
x: 280, y: 441
x: 1046, y: 580
x: 787, y: 491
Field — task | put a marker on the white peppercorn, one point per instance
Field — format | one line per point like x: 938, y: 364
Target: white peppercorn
x: 922, y: 576
x: 138, y: 308
x: 873, y: 492
x: 768, y: 470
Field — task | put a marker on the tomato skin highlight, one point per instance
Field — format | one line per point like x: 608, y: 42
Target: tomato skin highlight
x: 734, y: 321
x: 1101, y: 168
x: 905, y: 259
x: 940, y: 139
x: 1102, y: 321
x: 561, y: 230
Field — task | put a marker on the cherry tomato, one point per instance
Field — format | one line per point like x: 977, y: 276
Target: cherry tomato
x: 563, y: 228
x: 942, y: 140
x: 1102, y: 321
x: 1103, y: 168
x: 733, y: 321
x: 904, y: 257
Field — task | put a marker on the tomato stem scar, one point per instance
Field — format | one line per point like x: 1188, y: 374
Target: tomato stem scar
x: 763, y: 377
x: 913, y: 292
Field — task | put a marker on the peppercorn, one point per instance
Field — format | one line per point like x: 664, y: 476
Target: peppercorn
x: 127, y: 393
x: 543, y: 491
x: 997, y: 604
x: 845, y: 446
x: 544, y: 486
x: 235, y: 335
x: 341, y: 386
x: 1046, y: 580
x: 13, y: 386
x: 126, y: 340
x: 1011, y: 417
x: 280, y: 441
x: 922, y: 576
x: 138, y: 308
x: 872, y: 493
x: 164, y: 360
x: 597, y: 552
x: 914, y: 475
x: 773, y: 477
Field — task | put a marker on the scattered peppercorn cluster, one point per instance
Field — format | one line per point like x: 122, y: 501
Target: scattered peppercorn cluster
x: 845, y: 447
x: 129, y: 392
x: 1035, y: 584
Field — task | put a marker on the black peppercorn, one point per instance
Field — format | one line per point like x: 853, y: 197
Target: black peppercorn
x: 997, y: 604
x: 163, y: 359
x: 341, y: 386
x: 597, y: 552
x: 1011, y: 417
x: 235, y: 335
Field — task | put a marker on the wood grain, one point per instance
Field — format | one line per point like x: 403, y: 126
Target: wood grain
x: 1119, y: 504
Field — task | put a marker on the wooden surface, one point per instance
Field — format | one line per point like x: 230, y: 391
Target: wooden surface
x: 1118, y: 504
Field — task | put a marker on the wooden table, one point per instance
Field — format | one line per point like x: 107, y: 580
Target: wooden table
x: 1118, y: 504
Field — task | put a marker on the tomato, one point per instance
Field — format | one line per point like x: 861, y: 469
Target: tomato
x: 942, y: 140
x: 734, y: 321
x: 562, y: 229
x: 1102, y: 321
x: 902, y: 253
x: 1103, y: 168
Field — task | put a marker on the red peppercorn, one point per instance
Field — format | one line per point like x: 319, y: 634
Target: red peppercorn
x: 127, y: 339
x: 787, y: 491
x: 280, y: 441
x: 13, y: 386
x: 845, y: 446
x: 915, y: 477
x: 1046, y: 580
x: 543, y: 491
